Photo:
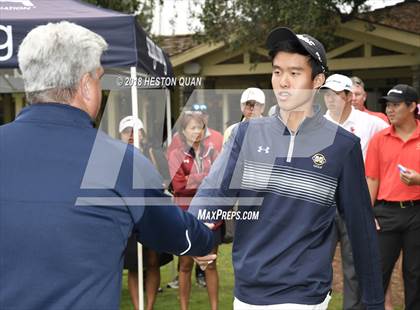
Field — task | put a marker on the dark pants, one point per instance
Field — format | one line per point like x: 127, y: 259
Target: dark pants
x: 352, y: 299
x: 400, y: 230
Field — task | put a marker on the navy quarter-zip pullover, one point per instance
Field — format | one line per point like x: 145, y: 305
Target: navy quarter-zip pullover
x: 57, y: 249
x: 301, y: 178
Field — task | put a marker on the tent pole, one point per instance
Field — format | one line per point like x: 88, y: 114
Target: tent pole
x: 135, y: 112
x: 168, y: 117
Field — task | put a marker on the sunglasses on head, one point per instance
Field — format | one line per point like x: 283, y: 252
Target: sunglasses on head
x: 199, y: 107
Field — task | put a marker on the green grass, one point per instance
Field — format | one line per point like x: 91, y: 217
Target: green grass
x: 199, y: 300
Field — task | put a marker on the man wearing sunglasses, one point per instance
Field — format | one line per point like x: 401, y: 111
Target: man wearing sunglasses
x: 252, y: 106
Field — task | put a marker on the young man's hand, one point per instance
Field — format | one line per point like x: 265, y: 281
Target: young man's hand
x: 410, y: 177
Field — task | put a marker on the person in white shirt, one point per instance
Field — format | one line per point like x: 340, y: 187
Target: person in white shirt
x: 337, y: 92
x: 338, y: 97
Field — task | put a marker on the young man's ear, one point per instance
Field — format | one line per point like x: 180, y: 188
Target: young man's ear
x: 319, y: 80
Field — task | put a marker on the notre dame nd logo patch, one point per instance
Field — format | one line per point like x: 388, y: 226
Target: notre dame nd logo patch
x: 319, y: 160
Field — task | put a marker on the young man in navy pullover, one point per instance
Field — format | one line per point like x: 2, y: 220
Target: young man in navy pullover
x: 296, y: 168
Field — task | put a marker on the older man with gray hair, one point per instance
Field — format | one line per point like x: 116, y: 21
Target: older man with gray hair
x: 358, y: 100
x: 63, y: 233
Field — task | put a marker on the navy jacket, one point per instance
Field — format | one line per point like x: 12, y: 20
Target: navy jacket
x: 295, y: 181
x: 70, y: 197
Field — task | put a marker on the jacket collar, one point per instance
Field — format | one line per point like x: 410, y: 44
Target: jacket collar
x: 55, y: 113
x: 309, y: 123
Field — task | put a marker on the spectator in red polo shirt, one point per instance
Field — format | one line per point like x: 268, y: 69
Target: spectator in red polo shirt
x: 360, y: 96
x: 392, y: 166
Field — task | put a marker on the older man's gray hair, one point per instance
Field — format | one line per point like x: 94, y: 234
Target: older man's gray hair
x: 54, y: 57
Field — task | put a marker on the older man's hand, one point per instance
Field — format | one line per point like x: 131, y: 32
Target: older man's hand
x: 204, y: 261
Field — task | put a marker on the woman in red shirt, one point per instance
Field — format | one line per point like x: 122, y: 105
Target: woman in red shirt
x: 188, y: 165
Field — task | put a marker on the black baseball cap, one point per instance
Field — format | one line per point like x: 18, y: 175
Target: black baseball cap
x: 400, y: 92
x: 310, y: 44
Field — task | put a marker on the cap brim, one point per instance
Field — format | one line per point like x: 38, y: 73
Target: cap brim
x: 128, y: 125
x: 333, y: 87
x: 393, y: 99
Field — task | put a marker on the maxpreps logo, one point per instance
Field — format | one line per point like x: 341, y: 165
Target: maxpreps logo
x: 319, y: 160
x: 16, y: 5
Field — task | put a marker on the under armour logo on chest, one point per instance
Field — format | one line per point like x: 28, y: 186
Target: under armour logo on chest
x: 262, y: 149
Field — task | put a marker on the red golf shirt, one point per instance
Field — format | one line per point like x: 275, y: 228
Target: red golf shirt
x: 386, y: 150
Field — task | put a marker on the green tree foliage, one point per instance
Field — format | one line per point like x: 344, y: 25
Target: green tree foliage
x: 143, y: 9
x: 246, y: 23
